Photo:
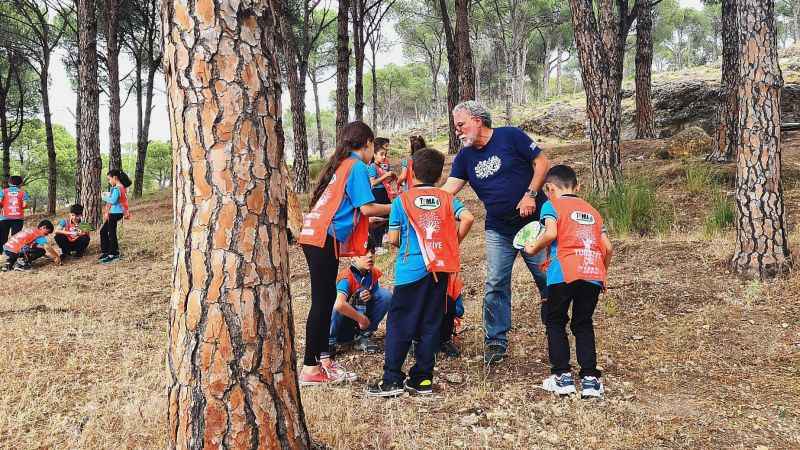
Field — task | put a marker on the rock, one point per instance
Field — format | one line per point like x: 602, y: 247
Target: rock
x: 454, y: 378
x: 469, y: 420
x: 558, y: 120
x: 690, y: 142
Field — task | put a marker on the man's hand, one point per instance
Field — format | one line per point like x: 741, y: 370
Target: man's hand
x: 366, y: 295
x: 526, y: 206
x: 363, y: 322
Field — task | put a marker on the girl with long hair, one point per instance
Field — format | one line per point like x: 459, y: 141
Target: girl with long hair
x: 405, y: 180
x: 337, y: 225
x: 115, y: 210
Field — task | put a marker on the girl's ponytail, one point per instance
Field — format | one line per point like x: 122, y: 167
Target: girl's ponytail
x: 354, y: 135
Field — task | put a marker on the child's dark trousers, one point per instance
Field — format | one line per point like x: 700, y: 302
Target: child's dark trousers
x: 8, y: 228
x: 29, y: 254
x: 583, y: 297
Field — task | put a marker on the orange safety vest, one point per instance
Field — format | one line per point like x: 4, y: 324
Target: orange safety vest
x: 355, y: 284
x: 316, y: 222
x: 430, y: 212
x: 23, y: 238
x: 580, y: 251
x: 387, y: 184
x: 13, y: 204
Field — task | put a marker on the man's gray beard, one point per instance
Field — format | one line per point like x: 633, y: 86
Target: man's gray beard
x: 466, y: 142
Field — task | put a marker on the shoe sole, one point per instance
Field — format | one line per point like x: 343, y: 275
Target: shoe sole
x: 414, y: 391
x: 494, y: 360
x: 394, y: 393
x: 591, y: 393
x: 320, y: 383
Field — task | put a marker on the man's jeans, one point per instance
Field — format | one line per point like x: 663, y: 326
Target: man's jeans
x: 500, y: 257
x: 344, y: 329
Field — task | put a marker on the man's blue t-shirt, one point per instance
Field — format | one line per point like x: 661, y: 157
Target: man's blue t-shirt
x: 13, y: 190
x: 554, y: 273
x: 373, y: 173
x: 410, y: 266
x: 500, y: 173
x: 357, y: 193
x: 365, y: 279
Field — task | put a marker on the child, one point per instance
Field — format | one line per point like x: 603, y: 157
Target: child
x: 580, y: 253
x: 30, y: 243
x: 336, y: 226
x: 381, y: 178
x: 423, y: 225
x: 116, y: 209
x: 406, y: 178
x: 13, y: 201
x: 360, y: 305
x: 69, y: 237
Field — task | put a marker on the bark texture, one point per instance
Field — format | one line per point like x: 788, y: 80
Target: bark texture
x: 645, y: 117
x: 233, y: 382
x: 761, y: 237
x: 466, y: 69
x: 452, y: 76
x: 725, y: 148
x: 342, y: 65
x: 90, y: 163
x: 112, y: 56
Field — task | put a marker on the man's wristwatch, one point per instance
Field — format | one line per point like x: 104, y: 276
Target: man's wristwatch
x: 530, y: 193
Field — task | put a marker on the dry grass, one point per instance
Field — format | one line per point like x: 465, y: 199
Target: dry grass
x: 693, y: 358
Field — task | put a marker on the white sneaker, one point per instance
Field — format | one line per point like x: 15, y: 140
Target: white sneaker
x: 591, y: 387
x: 335, y: 370
x: 559, y: 384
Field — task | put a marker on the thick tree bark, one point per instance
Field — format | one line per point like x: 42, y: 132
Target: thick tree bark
x: 90, y: 164
x: 466, y: 69
x: 52, y: 165
x: 233, y: 382
x: 645, y: 121
x: 143, y: 134
x: 374, y: 70
x: 320, y: 138
x: 112, y: 57
x: 342, y: 65
x: 452, y: 76
x: 78, y: 157
x: 725, y: 148
x: 358, y: 56
x: 761, y: 237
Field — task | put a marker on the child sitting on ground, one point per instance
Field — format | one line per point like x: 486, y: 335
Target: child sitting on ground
x: 361, y: 303
x: 580, y: 253
x: 69, y: 236
x: 30, y: 244
x: 422, y: 223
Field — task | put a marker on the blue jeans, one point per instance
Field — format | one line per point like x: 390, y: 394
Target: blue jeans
x: 344, y: 329
x: 500, y: 256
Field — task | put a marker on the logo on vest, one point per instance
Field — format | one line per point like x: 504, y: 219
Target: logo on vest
x: 582, y: 218
x: 427, y: 202
x: 430, y: 223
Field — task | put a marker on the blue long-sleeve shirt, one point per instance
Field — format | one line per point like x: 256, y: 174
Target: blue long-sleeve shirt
x: 113, y: 200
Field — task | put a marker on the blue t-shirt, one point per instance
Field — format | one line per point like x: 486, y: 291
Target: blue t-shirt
x: 365, y: 279
x: 373, y: 173
x: 554, y: 273
x: 410, y: 266
x: 500, y: 173
x: 13, y: 190
x: 113, y: 200
x: 357, y: 193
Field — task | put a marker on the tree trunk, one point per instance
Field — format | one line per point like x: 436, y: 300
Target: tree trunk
x: 231, y: 357
x: 91, y: 164
x: 112, y: 56
x: 761, y: 237
x: 728, y: 108
x: 466, y: 69
x: 5, y: 138
x: 645, y: 122
x: 358, y: 56
x: 374, y: 67
x: 452, y: 77
x: 78, y: 157
x: 52, y: 165
x: 320, y: 138
x: 342, y: 65
x: 558, y: 73
x: 509, y: 82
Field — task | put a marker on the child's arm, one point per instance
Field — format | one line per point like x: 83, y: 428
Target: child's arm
x: 606, y: 242
x: 394, y: 237
x: 465, y: 221
x: 549, y: 235
x: 53, y: 254
x: 342, y: 307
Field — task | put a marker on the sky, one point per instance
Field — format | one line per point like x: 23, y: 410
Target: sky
x: 63, y: 97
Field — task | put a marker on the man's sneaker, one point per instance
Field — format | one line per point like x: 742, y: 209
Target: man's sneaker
x: 494, y: 354
x: 591, y: 387
x: 383, y: 389
x: 423, y: 387
x: 334, y: 369
x: 321, y: 377
x: 366, y: 345
x: 560, y: 384
x: 449, y: 349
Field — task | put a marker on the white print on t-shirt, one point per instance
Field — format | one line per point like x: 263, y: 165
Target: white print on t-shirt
x: 591, y: 258
x: 430, y: 223
x: 487, y: 167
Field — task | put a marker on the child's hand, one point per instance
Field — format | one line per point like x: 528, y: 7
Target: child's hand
x: 366, y: 295
x: 529, y: 248
x: 363, y: 322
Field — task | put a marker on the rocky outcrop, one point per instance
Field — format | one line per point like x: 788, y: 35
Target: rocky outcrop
x: 692, y: 141
x: 559, y: 120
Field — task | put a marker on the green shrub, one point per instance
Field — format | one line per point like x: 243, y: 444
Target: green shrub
x: 700, y: 178
x: 632, y: 207
x: 722, y: 214
x: 314, y: 168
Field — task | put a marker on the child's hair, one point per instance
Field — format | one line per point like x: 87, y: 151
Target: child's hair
x: 371, y: 244
x: 354, y: 136
x: 121, y: 176
x: 417, y: 143
x: 380, y: 142
x: 428, y: 165
x: 76, y: 209
x: 562, y: 176
x: 15, y: 180
x: 47, y: 224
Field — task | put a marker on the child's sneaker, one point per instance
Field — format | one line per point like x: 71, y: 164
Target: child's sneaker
x: 334, y: 369
x: 382, y: 389
x: 109, y: 259
x: 22, y: 266
x: 560, y: 384
x: 321, y: 377
x: 102, y: 257
x: 494, y: 354
x: 423, y: 387
x: 591, y: 387
x: 366, y: 345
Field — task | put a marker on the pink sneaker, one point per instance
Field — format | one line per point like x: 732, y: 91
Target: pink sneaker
x: 321, y: 377
x: 335, y: 370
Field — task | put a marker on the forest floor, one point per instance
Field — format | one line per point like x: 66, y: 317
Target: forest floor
x: 692, y: 356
